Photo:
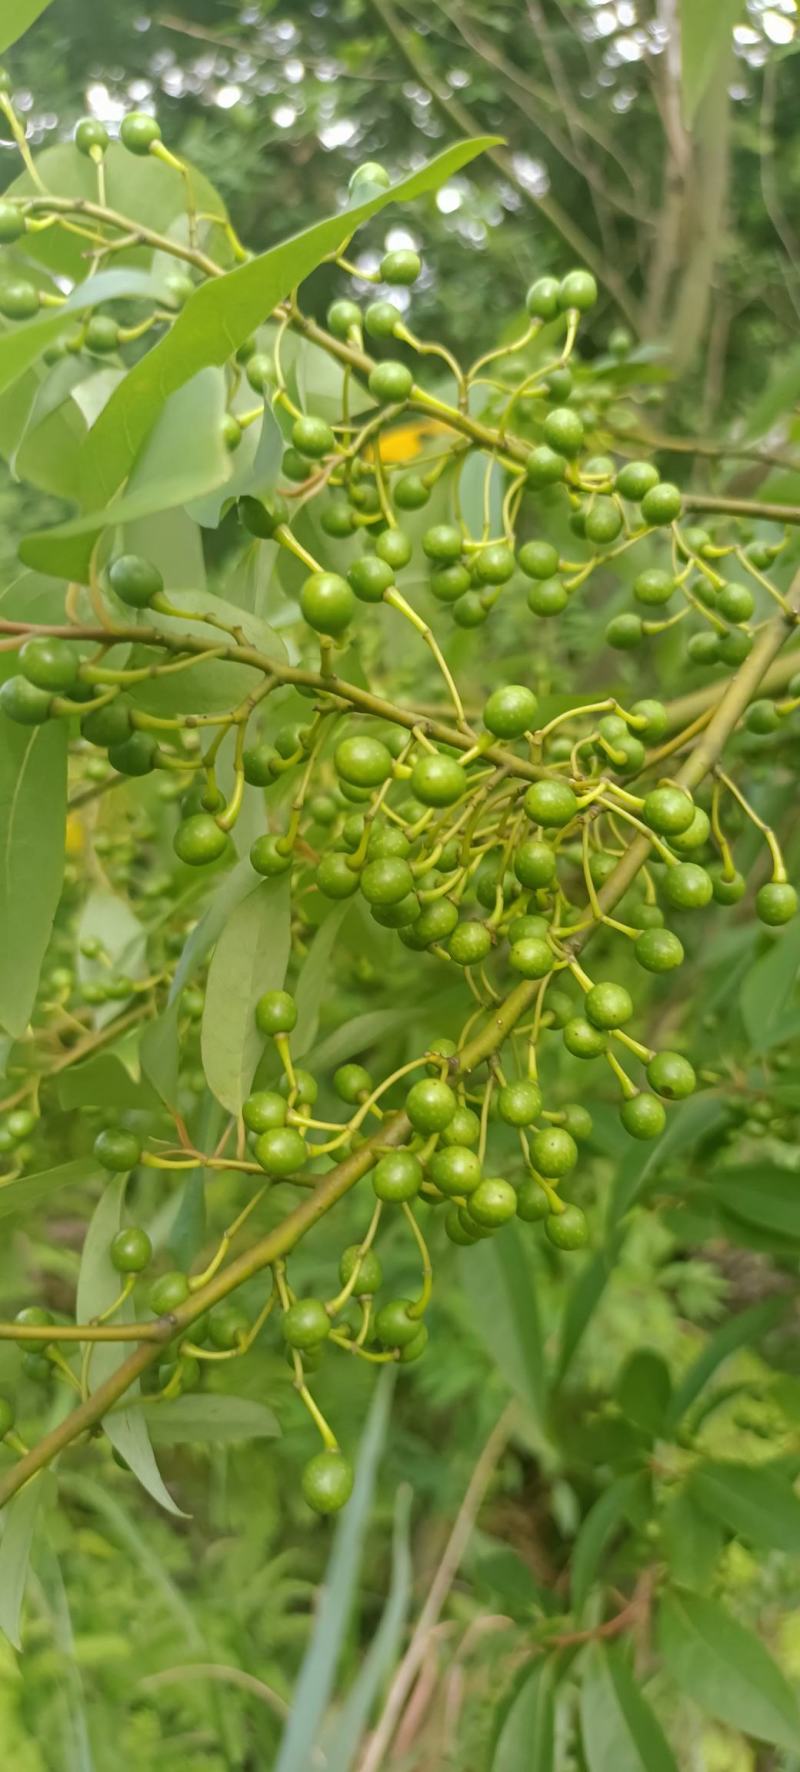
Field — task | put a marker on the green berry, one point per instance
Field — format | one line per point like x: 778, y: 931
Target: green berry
x: 643, y: 1116
x: 520, y: 1103
x: 456, y: 1170
x: 542, y: 299
x: 671, y: 1075
x: 635, y: 479
x: 578, y: 1120
x: 264, y: 1110
x: 545, y: 466
x: 343, y: 317
x: 430, y: 1105
x: 662, y: 504
x: 608, y: 1005
x: 22, y: 702
x: 335, y: 878
x: 365, y: 762
x: 327, y: 603
x: 554, y: 1152
x: 370, y: 1272
x: 117, y: 1150
x: 653, y: 587
x: 394, y: 548
x: 654, y: 715
x: 280, y: 1151
x: 532, y: 957
x: 687, y: 886
x: 227, y: 1327
x: 510, y: 711
x: 577, y: 290
x: 550, y: 803
x: 312, y: 437
x: 668, y: 810
x: 532, y: 1202
x: 395, y: 1325
x: 547, y: 598
x: 494, y: 564
x: 410, y: 492
x: 306, y: 1323
x: 138, y: 132
x: 728, y: 888
x: 493, y: 1202
x: 386, y: 881
x: 469, y: 944
x: 276, y: 1013
x: 658, y: 950
x: 102, y: 334
x: 352, y: 1083
x: 776, y: 902
x: 695, y: 837
x: 442, y: 543
x: 390, y: 381
x: 534, y: 863
x: 199, y: 840
x: 50, y: 663
x: 563, y: 430
x: 603, y: 521
x: 437, y: 780
x: 762, y: 717
x: 538, y: 559
x: 135, y: 581
x: 581, y: 1039
x: 624, y: 632
x: 19, y: 300
x: 168, y: 1292
x: 369, y: 577
x: 269, y: 856
x: 567, y: 1229
x: 327, y: 1480
x: 12, y: 223
x: 397, y: 1176
x: 736, y: 602
x: 130, y: 1250
x: 464, y: 1128
x: 381, y: 319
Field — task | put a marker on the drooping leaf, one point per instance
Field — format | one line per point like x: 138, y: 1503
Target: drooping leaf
x: 725, y: 1669
x: 761, y: 1195
x: 644, y: 1390
x: 498, y: 1272
x: 744, y: 1330
x: 18, y: 16
x: 619, y: 1731
x: 103, y: 1081
x: 693, y: 1541
x: 616, y: 1503
x: 250, y: 957
x: 583, y: 1297
x: 33, y: 795
x: 19, y: 1522
x: 767, y: 988
x: 527, y: 1734
x: 214, y: 322
x: 160, y: 1055
x: 754, y: 1501
x: 98, y: 1286
x: 27, y: 1191
x: 314, y: 1684
x: 705, y: 36
x: 314, y: 980
x: 381, y: 1656
x: 207, y: 1418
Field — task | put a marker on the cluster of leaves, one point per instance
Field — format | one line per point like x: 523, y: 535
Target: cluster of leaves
x: 369, y: 803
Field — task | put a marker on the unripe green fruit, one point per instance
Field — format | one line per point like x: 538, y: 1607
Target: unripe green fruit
x: 643, y: 1116
x: 455, y: 1170
x: 135, y: 581
x: 658, y: 950
x: 227, y: 1326
x: 335, y: 878
x: 450, y: 583
x: 402, y: 266
x: 469, y: 944
x: 762, y: 717
x: 130, y: 1250
x: 327, y: 603
x: 470, y: 611
x: 577, y: 290
x: 352, y: 1083
x: 568, y: 1229
x: 735, y: 647
x: 554, y: 1152
x: 22, y: 702
x: 608, y: 1005
x: 736, y: 602
x: 394, y: 547
x: 550, y: 803
x: 386, y: 840
x: 667, y: 810
x: 520, y: 1103
x: 534, y: 863
x: 776, y: 902
x: 370, y: 1272
x: 12, y: 223
x: 178, y: 289
x: 269, y: 857
x: 687, y: 886
x: 343, y: 317
x: 662, y: 504
x: 563, y: 430
x: 545, y: 466
x: 50, y: 663
x: 394, y: 1325
x: 390, y: 381
x: 306, y: 1323
x: 653, y: 587
x: 494, y: 565
x: 548, y: 597
x: 33, y: 1316
x: 19, y: 300
x: 381, y: 319
x: 728, y: 888
x: 437, y: 780
x: 304, y: 1090
x: 199, y: 840
x: 624, y: 632
x: 603, y: 521
x: 654, y: 714
x: 387, y: 881
x: 369, y: 577
x: 327, y: 1480
x: 410, y: 492
x: 397, y: 1176
x: 430, y: 1105
x: 635, y: 479
x: 493, y: 1203
x: 532, y: 1202
x: 464, y: 1128
x: 102, y: 334
x: 581, y: 1039
x: 138, y: 132
x: 322, y: 808
x: 280, y: 1151
x: 697, y: 834
x: 671, y: 1075
x: 527, y: 928
x: 262, y: 516
x: 264, y: 1110
x: 532, y: 958
x: 276, y: 1013
x: 542, y: 300
x: 703, y: 648
x: 261, y: 375
x: 414, y: 1350
x: 312, y: 437
x: 537, y: 559
x: 442, y: 543
x: 117, y: 1149
x: 167, y: 1293
x: 363, y: 761
x: 261, y: 764
x: 37, y: 1367
x: 578, y: 1120
x: 510, y: 711
x: 21, y: 1122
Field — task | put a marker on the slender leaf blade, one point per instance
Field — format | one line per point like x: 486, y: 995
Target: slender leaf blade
x: 527, y: 1735
x: 725, y: 1669
x: 497, y: 1271
x: 619, y: 1731
x: 33, y: 802
x: 754, y: 1501
x: 250, y: 957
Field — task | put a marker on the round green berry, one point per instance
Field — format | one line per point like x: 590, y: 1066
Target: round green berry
x: 493, y: 1202
x: 306, y: 1323
x: 387, y: 880
x: 442, y: 544
x: 312, y: 437
x: 538, y: 559
x: 130, y: 1250
x: 545, y: 466
x: 369, y: 577
x: 199, y: 840
x: 542, y: 300
x: 581, y: 1039
x: 370, y: 1272
x: 117, y: 1150
x: 269, y: 856
x: 661, y: 504
x: 343, y: 318
x: 352, y: 1083
x: 520, y: 1103
x: 19, y: 300
x: 50, y: 663
x: 567, y: 1229
x: 776, y: 902
x: 280, y: 1150
x: 394, y: 548
x: 643, y: 1116
x: 608, y: 1005
x: 532, y: 957
x: 12, y: 223
x: 547, y: 598
x: 327, y: 603
x: 381, y: 319
x: 365, y: 762
x: 762, y: 717
x: 563, y: 430
x: 390, y: 381
x: 264, y: 1110
x: 135, y: 581
x: 635, y: 479
x: 410, y: 492
x: 335, y: 878
x: 494, y: 564
x: 736, y: 602
x: 727, y: 885
x: 437, y: 780
x: 550, y: 803
x: 510, y: 711
x: 455, y: 1170
x: 327, y: 1480
x: 430, y: 1105
x: 671, y: 1075
x: 554, y: 1152
x: 577, y: 290
x: 168, y: 1292
x: 138, y: 132
x: 534, y: 863
x: 469, y: 944
x: 22, y: 702
x: 397, y: 1176
x: 276, y: 1013
x: 687, y: 886
x: 658, y: 950
x: 697, y: 834
x: 624, y: 632
x: 653, y: 587
x: 395, y: 1325
x: 668, y: 810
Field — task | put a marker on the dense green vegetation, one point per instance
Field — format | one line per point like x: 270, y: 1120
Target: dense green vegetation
x: 399, y: 718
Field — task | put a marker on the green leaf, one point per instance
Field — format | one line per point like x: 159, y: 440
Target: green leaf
x: 778, y: 398
x: 182, y: 457
x: 693, y: 1542
x: 753, y: 1501
x: 313, y: 982
x: 384, y: 1647
x: 33, y: 800
x: 160, y: 1054
x: 19, y: 1522
x: 98, y: 1286
x: 207, y: 1418
x: 742, y: 1331
x: 705, y: 35
x: 583, y: 1297
x: 314, y: 1684
x: 725, y: 1669
x: 622, y: 1497
x: 110, y: 920
x: 18, y: 16
x: 104, y: 1082
x: 643, y: 1391
x: 761, y: 1195
x: 527, y: 1735
x: 767, y: 988
x: 250, y: 957
x: 498, y: 1272
x: 687, y: 1123
x: 221, y: 314
x: 254, y: 468
x: 359, y: 1034
x: 619, y: 1731
x: 27, y: 1191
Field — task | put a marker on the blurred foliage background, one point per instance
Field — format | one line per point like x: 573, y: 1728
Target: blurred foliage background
x: 160, y: 1642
